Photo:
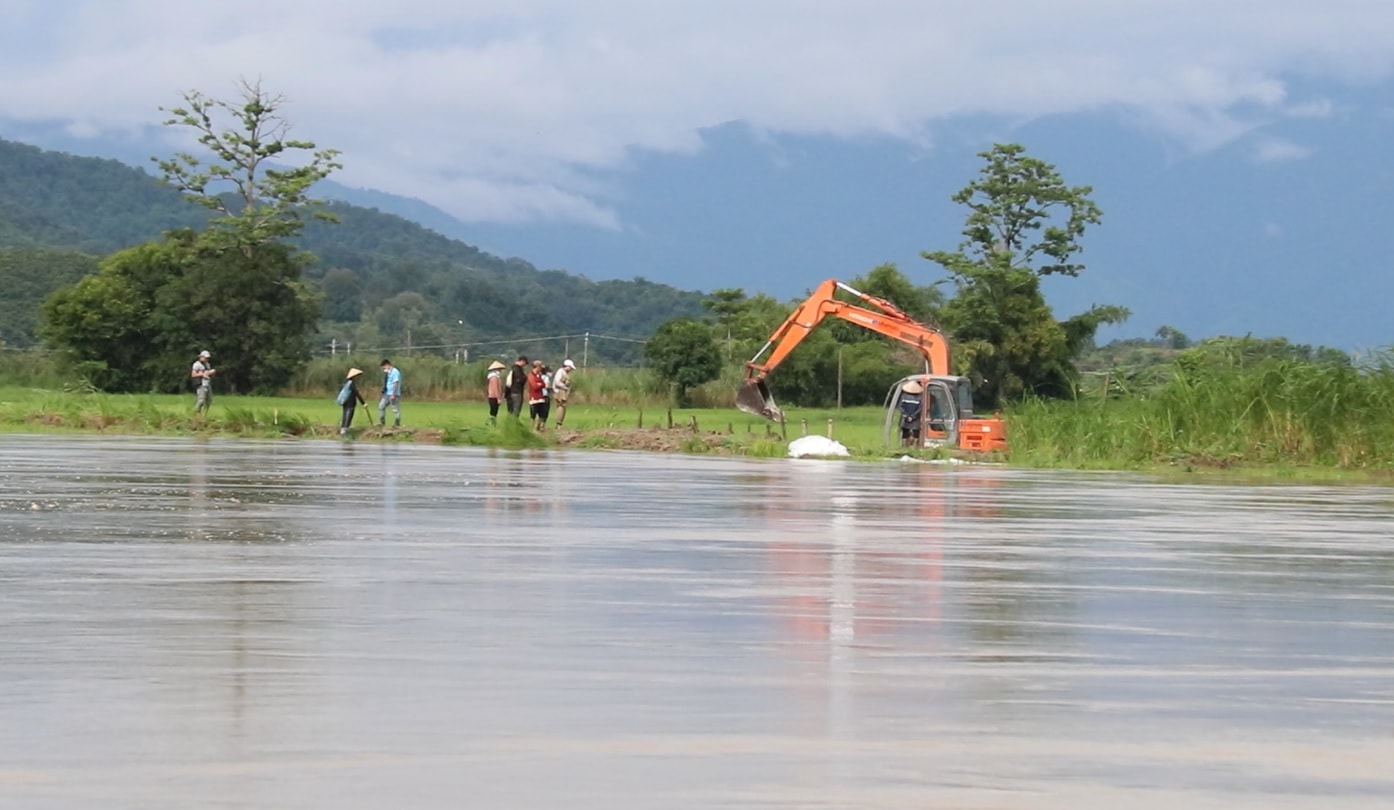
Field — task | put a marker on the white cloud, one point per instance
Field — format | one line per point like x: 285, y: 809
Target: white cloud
x: 509, y: 110
x: 1277, y: 150
x: 1316, y: 108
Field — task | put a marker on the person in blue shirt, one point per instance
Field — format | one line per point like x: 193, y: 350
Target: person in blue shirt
x: 391, y: 394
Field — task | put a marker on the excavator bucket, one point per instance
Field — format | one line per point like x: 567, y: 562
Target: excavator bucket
x: 754, y: 397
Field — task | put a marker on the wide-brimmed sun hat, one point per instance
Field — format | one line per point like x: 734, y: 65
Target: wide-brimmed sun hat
x: 912, y: 387
x: 353, y: 372
x: 497, y: 366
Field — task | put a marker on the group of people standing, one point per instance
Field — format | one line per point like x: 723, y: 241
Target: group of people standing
x: 534, y: 383
x: 527, y: 381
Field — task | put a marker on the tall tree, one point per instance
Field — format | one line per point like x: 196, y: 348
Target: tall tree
x: 684, y: 354
x: 234, y: 288
x: 257, y: 181
x: 256, y: 198
x: 137, y: 323
x: 110, y: 325
x: 1024, y: 223
x: 726, y: 304
x: 251, y: 311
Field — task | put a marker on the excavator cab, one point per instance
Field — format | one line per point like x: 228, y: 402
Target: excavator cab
x: 932, y: 410
x: 924, y: 410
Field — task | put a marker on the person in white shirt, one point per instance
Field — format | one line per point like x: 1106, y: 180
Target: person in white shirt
x: 202, y: 375
x: 561, y: 389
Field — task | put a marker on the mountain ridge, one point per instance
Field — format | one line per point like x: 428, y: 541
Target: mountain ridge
x: 383, y: 276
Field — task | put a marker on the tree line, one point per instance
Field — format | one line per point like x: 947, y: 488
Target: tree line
x: 377, y: 281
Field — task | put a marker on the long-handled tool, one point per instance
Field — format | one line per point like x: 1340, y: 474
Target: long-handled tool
x: 368, y: 411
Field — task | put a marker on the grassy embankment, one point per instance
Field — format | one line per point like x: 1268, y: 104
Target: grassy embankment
x: 1277, y: 415
x: 694, y: 430
x: 1282, y: 417
x: 613, y: 408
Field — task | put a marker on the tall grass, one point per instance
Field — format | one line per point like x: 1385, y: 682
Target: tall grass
x: 508, y: 433
x: 1274, y: 412
x: 424, y: 377
x: 34, y: 368
x: 43, y: 411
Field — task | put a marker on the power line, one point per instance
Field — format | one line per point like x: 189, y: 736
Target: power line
x: 585, y: 336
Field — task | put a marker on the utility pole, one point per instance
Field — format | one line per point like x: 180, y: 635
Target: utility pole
x: 585, y: 350
x: 839, y: 378
x: 334, y: 347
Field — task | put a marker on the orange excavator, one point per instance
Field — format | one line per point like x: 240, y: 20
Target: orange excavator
x: 944, y: 402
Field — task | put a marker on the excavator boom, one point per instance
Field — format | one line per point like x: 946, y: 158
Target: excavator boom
x: 873, y: 313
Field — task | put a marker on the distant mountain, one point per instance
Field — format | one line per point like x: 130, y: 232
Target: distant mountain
x: 387, y: 281
x: 408, y: 208
x: 50, y: 199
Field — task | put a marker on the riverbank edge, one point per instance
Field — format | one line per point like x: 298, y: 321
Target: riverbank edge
x: 515, y: 436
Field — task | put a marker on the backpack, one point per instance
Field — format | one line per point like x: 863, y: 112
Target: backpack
x: 346, y: 393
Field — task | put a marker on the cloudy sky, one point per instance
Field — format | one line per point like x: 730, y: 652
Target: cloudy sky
x: 563, y: 126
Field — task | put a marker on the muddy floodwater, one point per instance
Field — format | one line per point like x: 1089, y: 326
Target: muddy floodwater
x: 243, y: 624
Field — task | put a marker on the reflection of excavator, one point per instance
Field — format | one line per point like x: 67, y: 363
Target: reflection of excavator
x: 946, y: 411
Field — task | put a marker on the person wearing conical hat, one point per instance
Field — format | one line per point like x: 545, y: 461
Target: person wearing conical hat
x: 350, y: 399
x: 495, y: 392
x: 911, y: 406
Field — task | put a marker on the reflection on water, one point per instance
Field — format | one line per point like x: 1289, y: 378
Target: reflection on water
x: 250, y: 625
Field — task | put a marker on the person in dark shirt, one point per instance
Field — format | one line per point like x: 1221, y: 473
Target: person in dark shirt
x: 349, y: 400
x: 516, y: 386
x: 911, y: 405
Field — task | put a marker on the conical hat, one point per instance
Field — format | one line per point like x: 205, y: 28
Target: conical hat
x: 912, y: 387
x: 496, y: 365
x: 353, y: 372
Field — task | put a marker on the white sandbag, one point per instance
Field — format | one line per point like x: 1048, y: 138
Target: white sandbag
x: 950, y: 460
x: 816, y: 446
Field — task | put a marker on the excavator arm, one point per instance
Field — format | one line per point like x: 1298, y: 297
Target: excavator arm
x: 885, y: 319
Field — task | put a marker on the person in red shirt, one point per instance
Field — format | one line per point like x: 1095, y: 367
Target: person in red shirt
x: 537, y: 396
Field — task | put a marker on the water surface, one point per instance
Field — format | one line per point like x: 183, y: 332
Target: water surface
x: 241, y: 624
